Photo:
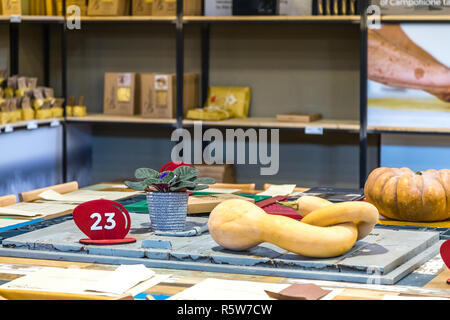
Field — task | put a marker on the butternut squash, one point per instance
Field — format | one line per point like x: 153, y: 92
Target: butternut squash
x: 326, y: 232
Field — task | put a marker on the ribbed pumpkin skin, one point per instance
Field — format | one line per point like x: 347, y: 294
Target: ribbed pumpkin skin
x: 401, y: 194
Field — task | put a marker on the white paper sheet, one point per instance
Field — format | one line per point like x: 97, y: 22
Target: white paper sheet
x: 125, y: 279
x: 278, y: 190
x: 395, y: 297
x: 81, y: 196
x: 35, y: 209
x: 220, y: 190
x: 221, y: 289
x: 122, y: 279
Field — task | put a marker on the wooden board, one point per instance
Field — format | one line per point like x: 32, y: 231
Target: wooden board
x: 297, y: 117
x: 205, y: 204
x: 392, y: 254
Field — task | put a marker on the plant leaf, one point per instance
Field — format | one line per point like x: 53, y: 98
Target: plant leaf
x: 145, y: 173
x: 186, y: 172
x: 205, y: 180
x: 167, y: 176
x: 201, y: 187
x: 136, y: 185
x: 184, y: 184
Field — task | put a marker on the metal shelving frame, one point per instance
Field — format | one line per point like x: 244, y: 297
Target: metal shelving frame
x: 179, y: 22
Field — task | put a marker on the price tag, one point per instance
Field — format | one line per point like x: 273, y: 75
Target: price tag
x: 15, y: 18
x: 103, y: 221
x: 32, y: 125
x: 55, y: 123
x: 314, y: 130
x: 9, y: 128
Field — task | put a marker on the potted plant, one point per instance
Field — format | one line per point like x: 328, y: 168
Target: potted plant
x: 167, y: 194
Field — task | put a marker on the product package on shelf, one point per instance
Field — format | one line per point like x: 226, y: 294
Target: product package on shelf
x: 74, y: 109
x: 224, y: 103
x: 255, y: 7
x: 335, y: 7
x: 400, y: 8
x: 169, y: 7
x: 296, y: 7
x: 10, y: 7
x: 218, y: 7
x: 108, y: 7
x: 142, y: 7
x: 42, y: 103
x: 26, y: 111
x: 55, y: 8
x: 120, y: 94
x: 158, y: 94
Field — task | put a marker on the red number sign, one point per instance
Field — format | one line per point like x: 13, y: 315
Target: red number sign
x: 103, y: 221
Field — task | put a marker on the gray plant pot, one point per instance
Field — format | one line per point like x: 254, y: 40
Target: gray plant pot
x: 167, y: 210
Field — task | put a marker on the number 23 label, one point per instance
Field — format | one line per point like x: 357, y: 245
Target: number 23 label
x: 109, y: 224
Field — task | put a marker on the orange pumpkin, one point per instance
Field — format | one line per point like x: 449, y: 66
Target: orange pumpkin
x: 402, y: 194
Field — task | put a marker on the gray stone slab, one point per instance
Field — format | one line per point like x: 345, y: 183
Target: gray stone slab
x: 386, y: 254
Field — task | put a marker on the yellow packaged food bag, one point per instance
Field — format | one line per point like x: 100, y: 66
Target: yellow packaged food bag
x: 16, y: 116
x: 27, y: 114
x: 209, y: 113
x: 44, y: 114
x: 235, y: 100
x: 57, y: 112
x: 69, y: 111
x: 5, y: 117
x: 79, y: 111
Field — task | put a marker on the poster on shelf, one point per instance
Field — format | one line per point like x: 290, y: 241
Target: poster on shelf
x: 409, y: 76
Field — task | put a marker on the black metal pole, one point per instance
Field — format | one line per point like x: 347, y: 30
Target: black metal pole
x: 206, y: 33
x: 363, y: 148
x: 64, y: 91
x: 13, y: 48
x: 180, y: 62
x: 46, y: 53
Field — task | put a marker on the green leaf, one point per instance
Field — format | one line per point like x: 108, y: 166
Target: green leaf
x: 205, y: 180
x: 145, y: 173
x: 136, y: 185
x: 201, y: 187
x: 186, y: 172
x: 184, y: 184
x: 151, y: 181
x: 169, y: 175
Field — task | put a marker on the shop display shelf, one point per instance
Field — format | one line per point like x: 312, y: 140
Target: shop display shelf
x: 257, y: 122
x: 269, y: 19
x: 30, y: 124
x: 106, y: 118
x: 407, y: 130
x: 129, y: 19
x: 415, y: 18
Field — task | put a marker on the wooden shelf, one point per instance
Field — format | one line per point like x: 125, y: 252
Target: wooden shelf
x: 418, y: 130
x: 106, y: 118
x: 344, y: 125
x: 415, y: 18
x: 25, y: 124
x: 277, y: 19
x: 156, y: 19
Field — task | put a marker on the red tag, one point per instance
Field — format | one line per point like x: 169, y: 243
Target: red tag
x: 213, y: 99
x: 102, y: 220
x: 172, y: 165
x: 445, y: 253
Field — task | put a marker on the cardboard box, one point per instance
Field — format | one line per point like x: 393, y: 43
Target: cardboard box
x: 399, y: 8
x: 120, y: 94
x: 169, y: 7
x: 108, y: 7
x: 10, y: 7
x: 158, y: 94
x: 142, y: 7
x: 82, y: 4
x: 222, y: 173
x: 296, y: 7
x: 218, y: 7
